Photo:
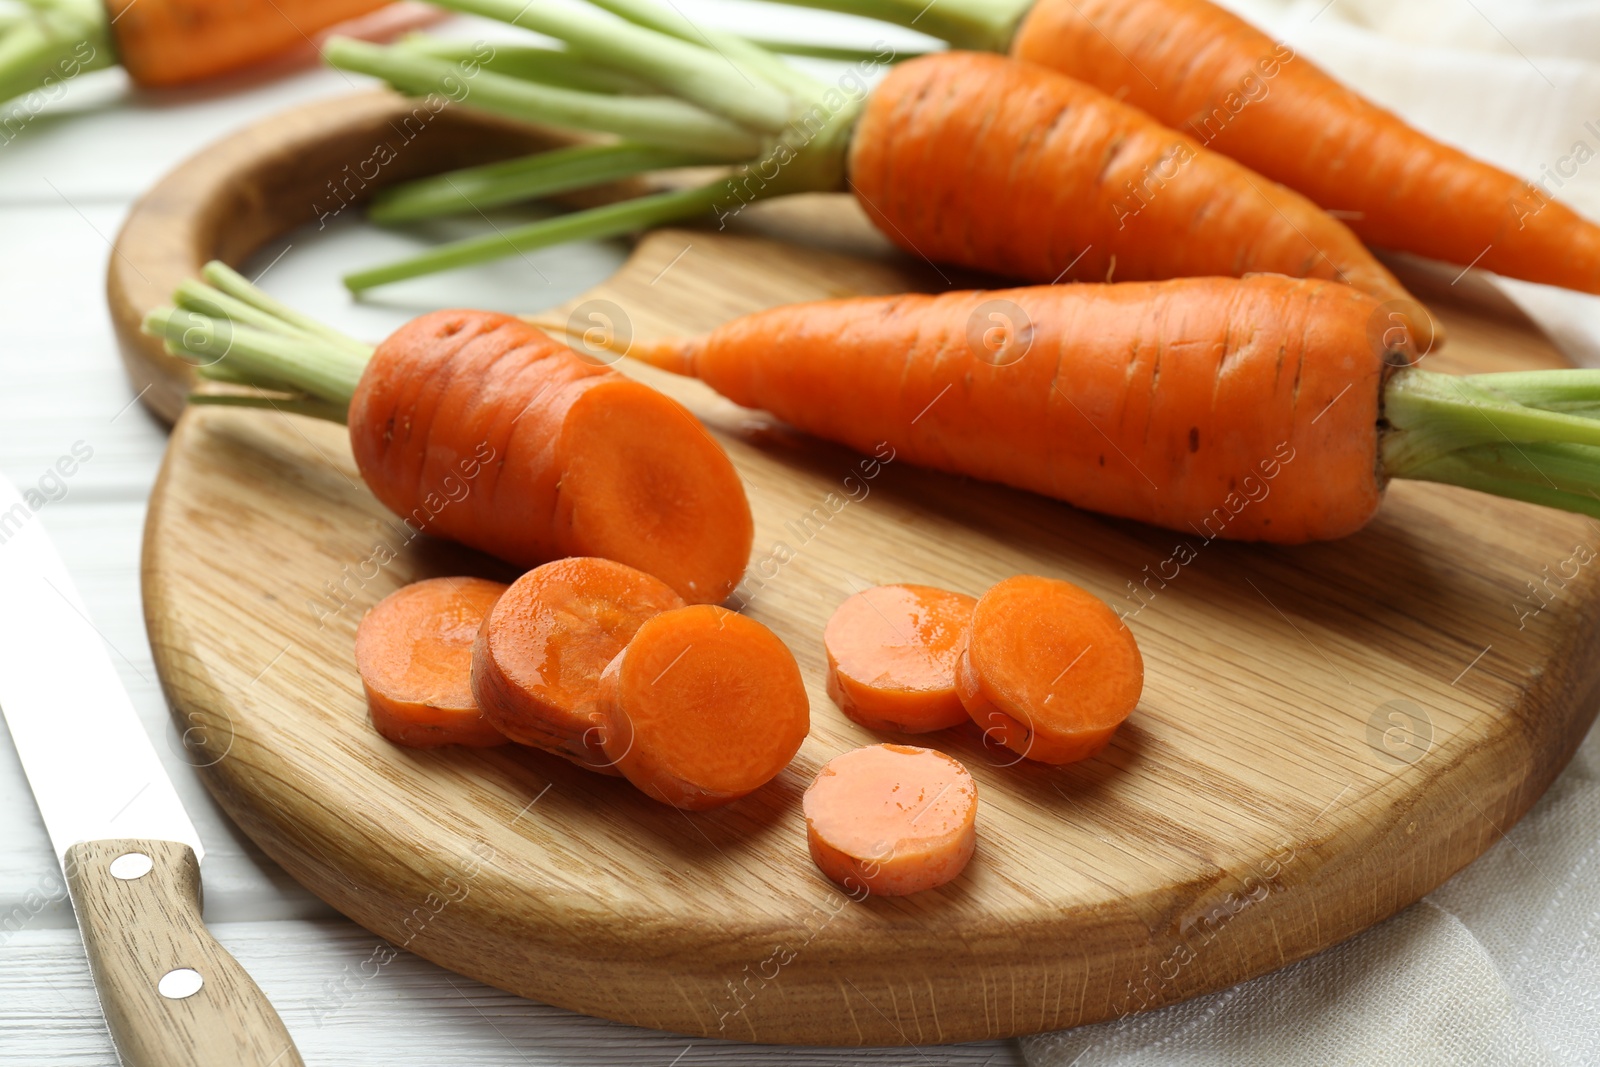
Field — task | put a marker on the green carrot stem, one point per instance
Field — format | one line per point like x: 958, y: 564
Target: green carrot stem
x: 293, y: 405
x: 749, y: 57
x: 57, y: 41
x: 839, y: 53
x: 609, y: 220
x: 696, y: 74
x: 525, y: 178
x: 320, y: 371
x: 551, y: 66
x: 658, y: 120
x: 975, y: 25
x: 231, y: 283
x: 1555, y: 390
x: 1486, y: 477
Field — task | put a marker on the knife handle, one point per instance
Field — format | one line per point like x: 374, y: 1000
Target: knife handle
x: 171, y: 994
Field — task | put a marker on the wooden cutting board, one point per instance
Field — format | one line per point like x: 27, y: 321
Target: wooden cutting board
x: 1327, y: 731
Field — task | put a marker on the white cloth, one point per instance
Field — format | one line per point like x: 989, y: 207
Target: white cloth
x: 1501, y: 965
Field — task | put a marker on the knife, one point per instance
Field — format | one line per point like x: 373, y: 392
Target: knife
x: 172, y: 996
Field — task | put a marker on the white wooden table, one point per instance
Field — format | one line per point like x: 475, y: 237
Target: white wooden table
x: 65, y: 184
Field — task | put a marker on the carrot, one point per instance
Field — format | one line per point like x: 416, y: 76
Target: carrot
x: 159, y: 42
x: 174, y: 42
x: 1048, y: 670
x: 892, y: 820
x: 1201, y: 69
x: 1260, y: 408
x: 537, y: 660
x: 478, y: 427
x: 414, y: 651
x: 960, y: 158
x: 702, y: 707
x: 892, y: 657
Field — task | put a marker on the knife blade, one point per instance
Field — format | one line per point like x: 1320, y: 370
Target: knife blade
x: 171, y: 994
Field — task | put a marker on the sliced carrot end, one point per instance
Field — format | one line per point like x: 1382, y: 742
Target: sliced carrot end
x: 414, y: 653
x: 644, y: 483
x: 892, y: 820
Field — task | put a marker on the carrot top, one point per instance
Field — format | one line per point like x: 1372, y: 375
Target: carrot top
x: 47, y: 45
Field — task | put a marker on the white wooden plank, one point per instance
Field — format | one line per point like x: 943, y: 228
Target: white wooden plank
x: 349, y: 999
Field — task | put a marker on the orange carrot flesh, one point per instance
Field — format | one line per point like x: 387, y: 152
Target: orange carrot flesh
x: 702, y: 707
x: 892, y: 657
x: 478, y: 427
x: 538, y: 657
x: 892, y: 819
x: 1205, y: 71
x: 174, y: 42
x: 972, y: 158
x: 414, y: 654
x: 1244, y: 409
x: 1049, y: 671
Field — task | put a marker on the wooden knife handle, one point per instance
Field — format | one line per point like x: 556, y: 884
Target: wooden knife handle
x: 138, y: 905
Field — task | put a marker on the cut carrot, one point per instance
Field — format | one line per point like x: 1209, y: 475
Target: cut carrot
x: 892, y: 657
x: 478, y: 427
x: 537, y: 660
x: 889, y: 820
x: 702, y: 707
x: 414, y: 654
x: 1049, y: 671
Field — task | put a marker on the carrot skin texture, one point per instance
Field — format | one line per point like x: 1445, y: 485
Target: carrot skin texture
x: 538, y: 656
x: 1049, y: 671
x: 891, y: 820
x: 892, y: 654
x: 971, y: 158
x: 1242, y: 409
x: 175, y: 42
x: 703, y: 706
x: 480, y: 428
x: 1395, y: 186
x: 413, y: 651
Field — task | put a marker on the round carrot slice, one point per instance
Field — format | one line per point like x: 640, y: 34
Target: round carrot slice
x: 537, y: 660
x: 892, y: 654
x: 1048, y: 669
x: 702, y: 707
x: 892, y: 819
x: 414, y: 653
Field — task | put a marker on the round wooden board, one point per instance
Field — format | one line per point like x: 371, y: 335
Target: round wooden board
x: 1327, y: 732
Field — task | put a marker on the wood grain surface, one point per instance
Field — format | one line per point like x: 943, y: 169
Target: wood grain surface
x: 138, y: 928
x: 1327, y: 731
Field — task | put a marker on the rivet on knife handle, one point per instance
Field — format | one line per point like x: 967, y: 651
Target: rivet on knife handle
x: 172, y: 995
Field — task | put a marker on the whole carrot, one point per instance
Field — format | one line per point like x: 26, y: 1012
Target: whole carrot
x: 1203, y: 70
x: 173, y: 42
x: 1262, y: 408
x: 478, y: 427
x: 159, y: 42
x: 960, y: 158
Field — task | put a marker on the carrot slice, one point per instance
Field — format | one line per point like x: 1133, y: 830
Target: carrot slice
x: 892, y: 819
x: 537, y: 660
x: 1048, y: 670
x: 414, y: 654
x: 702, y: 707
x: 892, y: 654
